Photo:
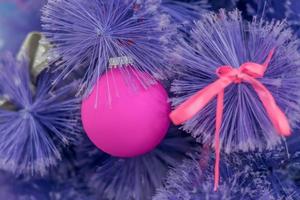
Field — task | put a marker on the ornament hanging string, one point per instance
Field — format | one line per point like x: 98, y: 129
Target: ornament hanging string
x: 248, y: 73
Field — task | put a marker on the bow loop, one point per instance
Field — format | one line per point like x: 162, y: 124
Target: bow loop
x: 223, y: 70
x: 254, y: 70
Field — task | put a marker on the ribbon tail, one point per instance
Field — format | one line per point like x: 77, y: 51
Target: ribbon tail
x: 219, y: 116
x: 197, y: 102
x: 276, y: 115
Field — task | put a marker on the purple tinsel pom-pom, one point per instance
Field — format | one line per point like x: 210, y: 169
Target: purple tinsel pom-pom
x: 86, y: 34
x: 226, y: 39
x: 35, y: 121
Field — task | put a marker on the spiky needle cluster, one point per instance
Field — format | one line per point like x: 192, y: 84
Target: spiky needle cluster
x: 35, y: 122
x: 87, y: 34
x: 191, y: 181
x: 226, y: 39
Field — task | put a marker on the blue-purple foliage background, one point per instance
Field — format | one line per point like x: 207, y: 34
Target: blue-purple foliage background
x: 17, y: 18
x: 85, y: 173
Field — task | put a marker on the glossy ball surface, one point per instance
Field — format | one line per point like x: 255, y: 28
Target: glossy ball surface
x: 122, y: 117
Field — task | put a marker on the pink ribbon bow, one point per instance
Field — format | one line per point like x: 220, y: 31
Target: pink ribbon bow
x: 248, y: 72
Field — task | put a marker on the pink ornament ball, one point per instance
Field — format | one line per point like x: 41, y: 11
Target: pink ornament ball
x: 124, y: 118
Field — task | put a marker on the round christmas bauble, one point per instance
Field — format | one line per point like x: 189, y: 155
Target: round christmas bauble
x: 124, y: 118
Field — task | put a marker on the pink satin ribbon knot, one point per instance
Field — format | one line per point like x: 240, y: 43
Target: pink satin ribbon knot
x: 248, y: 73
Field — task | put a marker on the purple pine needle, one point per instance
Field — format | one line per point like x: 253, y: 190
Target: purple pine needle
x: 226, y: 39
x: 18, y: 188
x: 266, y: 172
x: 224, y: 4
x: 34, y: 123
x: 86, y: 34
x: 71, y: 189
x: 190, y: 181
x: 292, y: 13
x: 273, y: 9
x: 184, y: 12
x: 139, y: 177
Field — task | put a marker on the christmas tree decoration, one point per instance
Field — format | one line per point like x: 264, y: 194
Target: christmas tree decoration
x: 138, y: 177
x: 87, y: 34
x: 89, y: 158
x: 184, y: 12
x: 283, y: 159
x: 142, y: 114
x: 238, y: 84
x: 67, y: 192
x: 191, y: 181
x: 16, y: 188
x: 269, y: 9
x: 61, y: 183
x: 35, y: 120
x: 270, y: 168
x: 292, y: 14
x: 224, y: 4
x: 17, y: 18
x: 64, y: 181
x: 86, y: 105
x: 292, y: 165
x: 281, y: 10
x: 70, y: 189
x: 293, y: 168
x: 272, y: 9
x: 268, y: 160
